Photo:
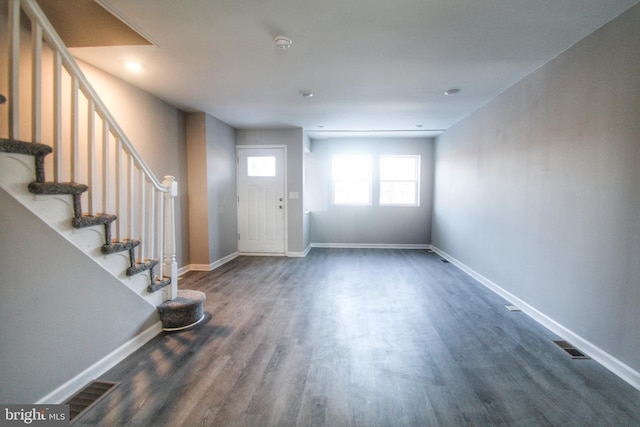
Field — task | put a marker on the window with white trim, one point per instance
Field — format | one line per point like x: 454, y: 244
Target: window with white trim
x: 399, y: 180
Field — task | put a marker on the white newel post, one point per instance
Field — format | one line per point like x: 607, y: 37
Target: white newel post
x: 170, y: 263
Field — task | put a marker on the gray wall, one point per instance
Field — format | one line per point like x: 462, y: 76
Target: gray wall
x: 368, y: 224
x: 539, y: 191
x: 60, y: 312
x: 157, y: 131
x: 294, y: 140
x: 212, y: 189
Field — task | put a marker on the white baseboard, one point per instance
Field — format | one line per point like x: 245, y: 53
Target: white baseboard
x: 614, y: 365
x: 184, y: 270
x: 68, y: 389
x: 299, y: 254
x: 295, y: 255
x: 370, y: 246
x: 213, y: 265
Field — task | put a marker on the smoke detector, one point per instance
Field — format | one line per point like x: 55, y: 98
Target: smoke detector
x: 282, y: 42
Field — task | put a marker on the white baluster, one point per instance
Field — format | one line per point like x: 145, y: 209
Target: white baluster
x: 14, y: 69
x: 170, y: 262
x: 143, y: 213
x: 130, y: 190
x: 36, y: 82
x: 57, y: 117
x: 160, y: 232
x: 152, y: 224
x: 75, y: 146
x: 91, y: 153
x: 118, y: 188
x: 106, y: 177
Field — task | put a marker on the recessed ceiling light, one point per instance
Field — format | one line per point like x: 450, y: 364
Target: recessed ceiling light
x: 133, y: 66
x: 282, y: 42
x: 306, y: 93
x: 450, y: 92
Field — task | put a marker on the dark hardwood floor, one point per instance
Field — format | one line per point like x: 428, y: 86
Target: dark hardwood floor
x: 358, y: 337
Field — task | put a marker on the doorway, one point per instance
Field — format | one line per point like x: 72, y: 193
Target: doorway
x: 261, y: 200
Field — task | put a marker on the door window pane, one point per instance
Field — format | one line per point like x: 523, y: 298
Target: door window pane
x: 261, y: 166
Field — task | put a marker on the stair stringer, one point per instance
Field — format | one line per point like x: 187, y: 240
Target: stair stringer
x: 63, y: 319
x: 17, y: 171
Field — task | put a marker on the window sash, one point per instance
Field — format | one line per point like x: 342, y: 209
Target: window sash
x: 399, y: 180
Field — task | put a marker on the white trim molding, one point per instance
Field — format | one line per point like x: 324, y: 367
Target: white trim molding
x: 370, y: 245
x: 213, y: 265
x: 184, y: 270
x: 68, y: 389
x: 614, y: 365
x: 299, y: 254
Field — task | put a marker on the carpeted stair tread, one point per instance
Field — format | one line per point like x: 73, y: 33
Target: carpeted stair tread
x: 72, y: 188
x: 158, y: 283
x: 42, y: 187
x: 184, y: 311
x: 22, y: 147
x: 89, y: 220
x: 142, y: 266
x: 122, y: 246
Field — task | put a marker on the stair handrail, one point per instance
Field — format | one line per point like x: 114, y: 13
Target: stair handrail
x: 55, y: 42
x: 161, y: 214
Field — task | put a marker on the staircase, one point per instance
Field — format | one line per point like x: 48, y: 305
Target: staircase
x: 41, y: 187
x: 92, y: 161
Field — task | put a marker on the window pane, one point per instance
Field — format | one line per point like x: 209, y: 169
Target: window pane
x: 400, y: 180
x: 351, y: 179
x: 398, y: 168
x: 351, y: 192
x: 398, y: 193
x: 261, y: 166
x: 351, y: 167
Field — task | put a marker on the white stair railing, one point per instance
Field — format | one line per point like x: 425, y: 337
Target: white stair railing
x: 58, y: 107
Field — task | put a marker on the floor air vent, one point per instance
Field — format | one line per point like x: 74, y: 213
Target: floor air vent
x: 86, y: 398
x: 571, y: 350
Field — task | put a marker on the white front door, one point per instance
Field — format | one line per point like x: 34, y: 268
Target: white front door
x: 261, y: 201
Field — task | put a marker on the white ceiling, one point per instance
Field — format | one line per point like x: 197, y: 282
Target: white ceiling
x: 373, y: 65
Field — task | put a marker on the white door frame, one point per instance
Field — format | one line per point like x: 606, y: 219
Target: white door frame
x: 285, y: 197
